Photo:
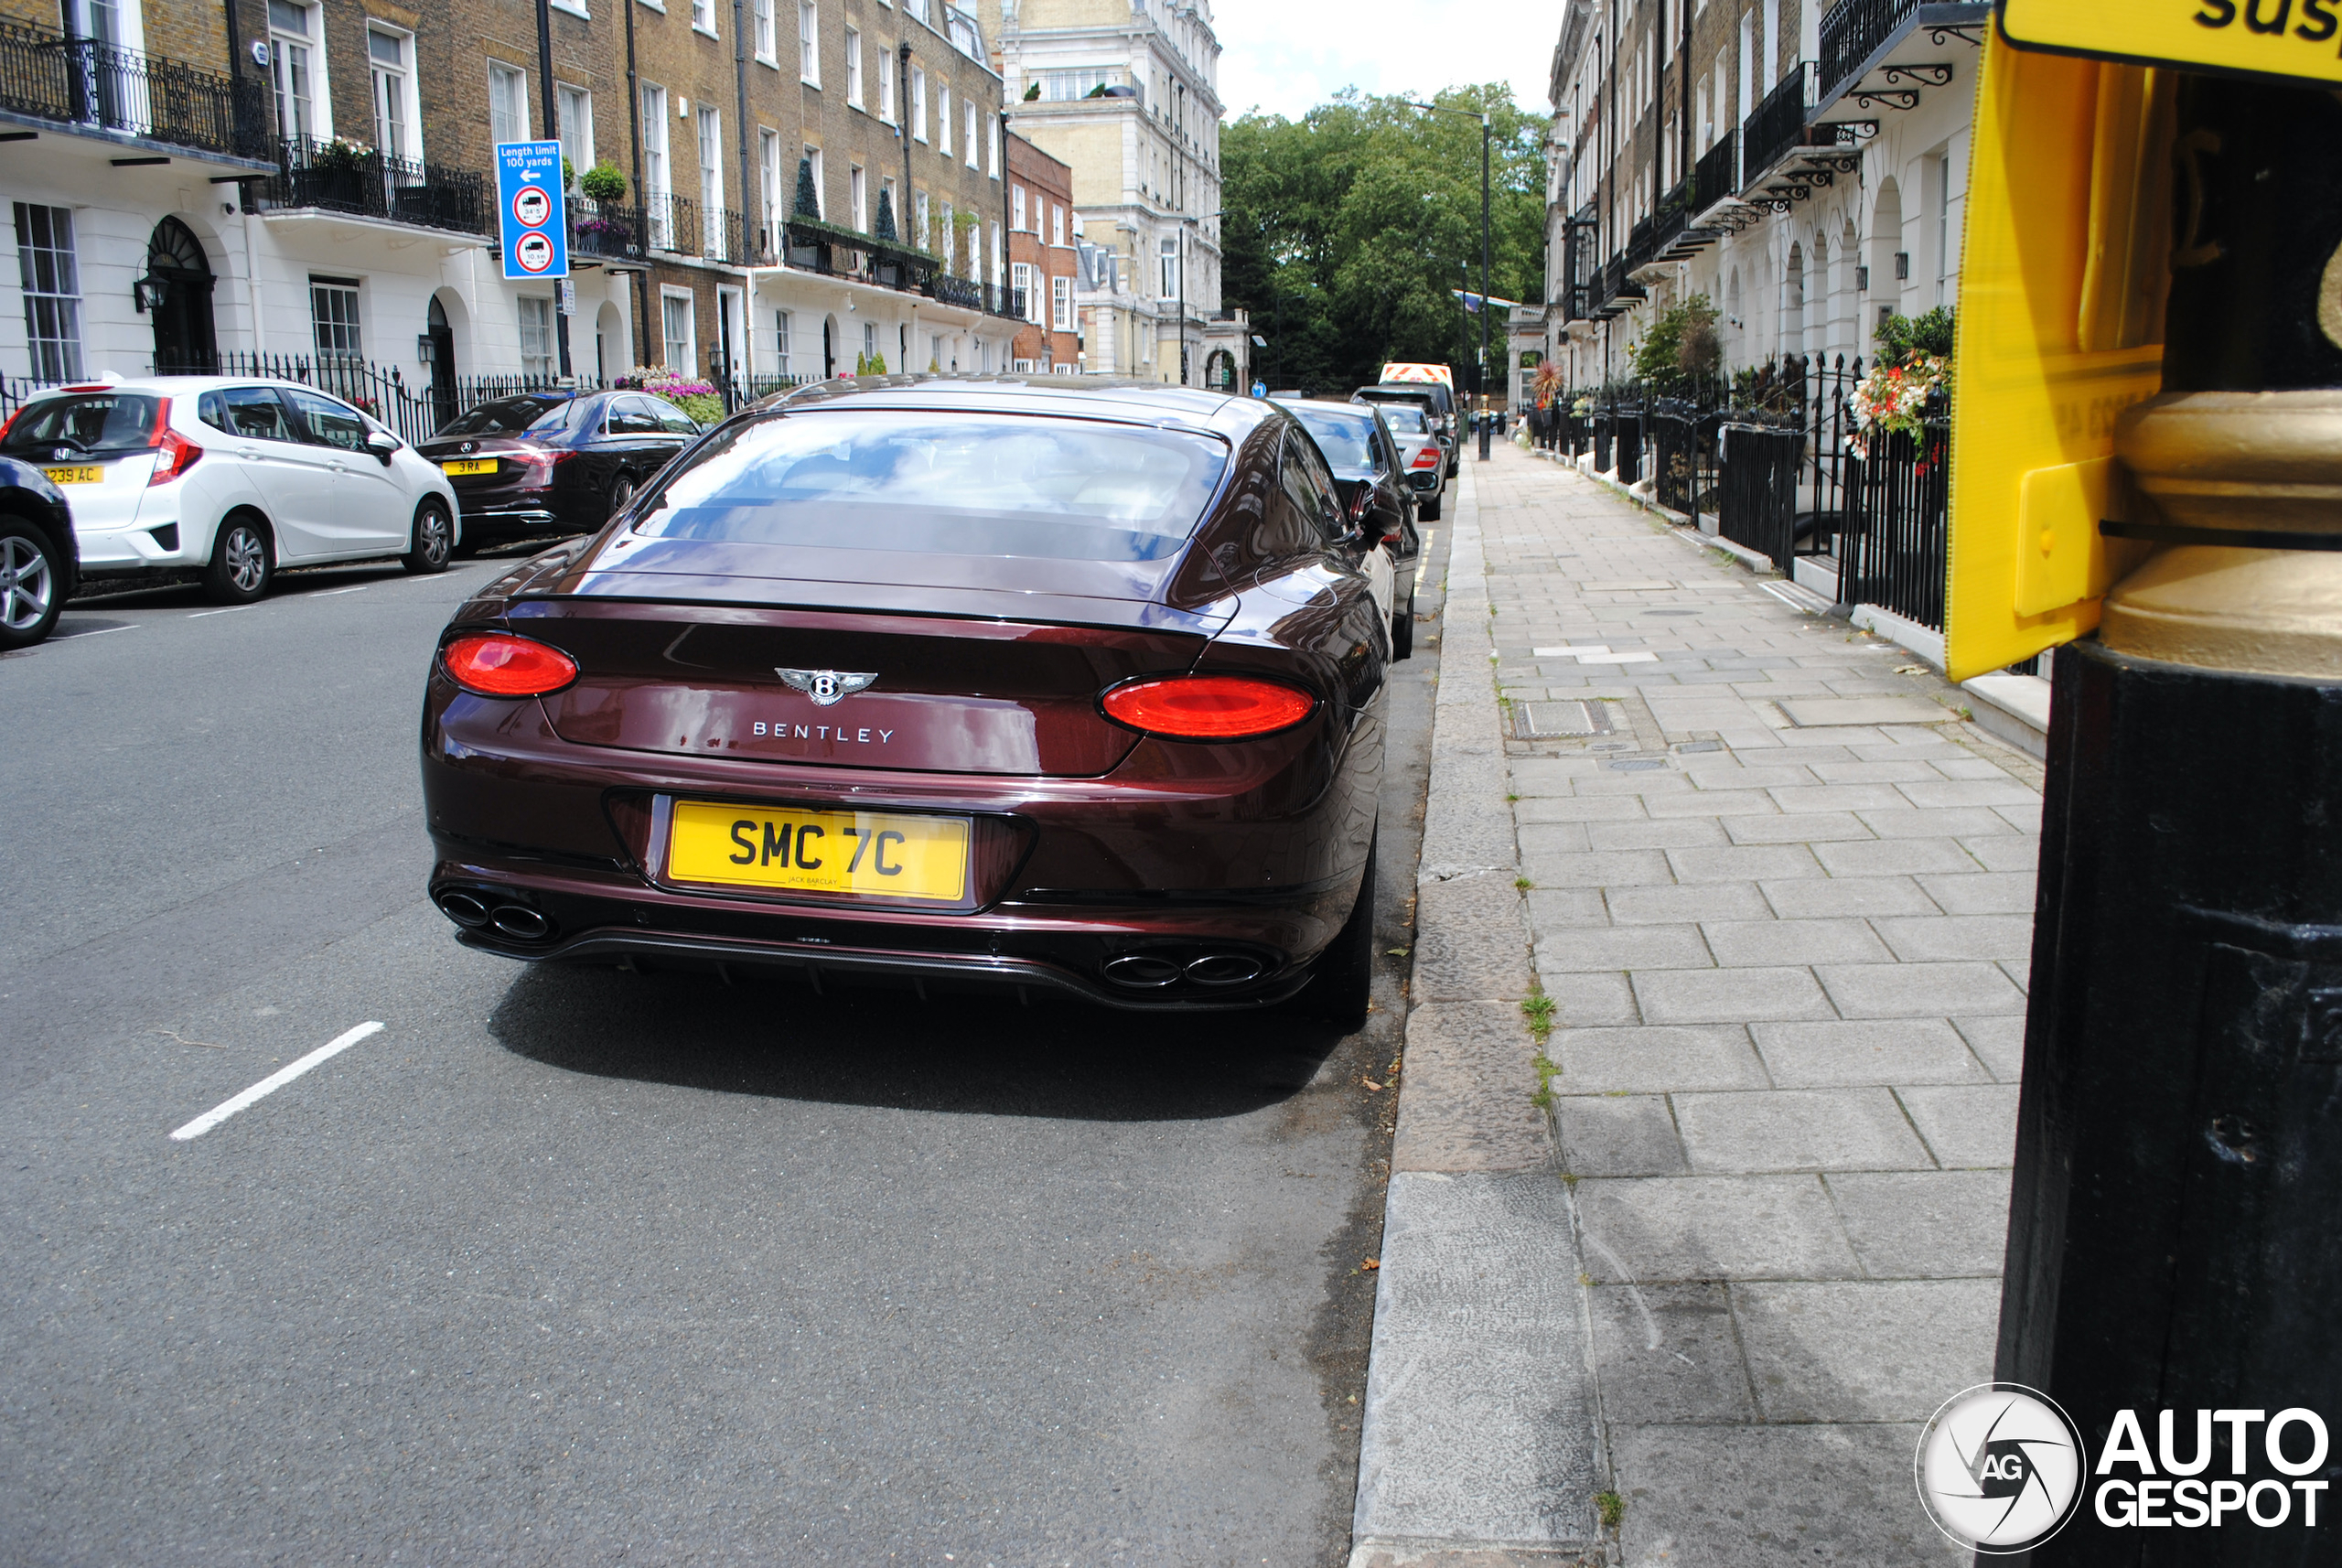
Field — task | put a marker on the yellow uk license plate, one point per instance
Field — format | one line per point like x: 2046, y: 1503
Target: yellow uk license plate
x: 91, y: 474
x: 469, y: 466
x: 867, y: 852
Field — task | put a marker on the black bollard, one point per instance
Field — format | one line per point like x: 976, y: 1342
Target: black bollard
x: 2175, y: 1229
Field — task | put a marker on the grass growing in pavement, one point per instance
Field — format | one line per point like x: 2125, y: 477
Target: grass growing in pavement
x: 1611, y: 1507
x: 1538, y: 1009
x: 1523, y: 884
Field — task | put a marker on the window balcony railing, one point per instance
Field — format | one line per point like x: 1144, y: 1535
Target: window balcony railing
x: 1672, y: 218
x: 1777, y: 128
x: 1642, y: 243
x: 610, y: 229
x: 1854, y: 30
x: 345, y: 177
x: 45, y: 75
x: 681, y: 226
x: 1716, y: 177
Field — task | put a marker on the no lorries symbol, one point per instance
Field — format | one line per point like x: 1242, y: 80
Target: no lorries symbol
x: 533, y: 251
x: 532, y: 206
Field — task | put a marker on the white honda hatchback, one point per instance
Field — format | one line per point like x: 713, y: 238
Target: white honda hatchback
x: 231, y: 480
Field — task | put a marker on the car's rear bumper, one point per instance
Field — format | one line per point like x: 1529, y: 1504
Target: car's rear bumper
x: 1169, y: 858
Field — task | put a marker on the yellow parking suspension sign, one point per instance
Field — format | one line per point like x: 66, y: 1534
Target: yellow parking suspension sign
x: 2264, y: 37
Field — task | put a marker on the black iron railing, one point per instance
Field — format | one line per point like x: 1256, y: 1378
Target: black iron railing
x: 413, y: 409
x: 1777, y: 127
x: 1672, y: 218
x: 610, y: 229
x: 1579, y: 269
x: 1897, y: 496
x: 80, y: 81
x: 344, y: 177
x: 681, y: 226
x: 945, y: 289
x: 1757, y: 504
x: 1854, y: 30
x: 1717, y: 174
x: 1642, y: 243
x: 1682, y: 433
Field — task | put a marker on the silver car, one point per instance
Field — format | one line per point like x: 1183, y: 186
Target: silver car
x: 1420, y: 455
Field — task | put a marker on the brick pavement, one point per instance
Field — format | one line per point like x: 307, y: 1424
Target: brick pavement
x: 1782, y: 900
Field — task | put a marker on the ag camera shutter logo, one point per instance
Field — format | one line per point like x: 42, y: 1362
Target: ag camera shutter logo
x: 2000, y: 1468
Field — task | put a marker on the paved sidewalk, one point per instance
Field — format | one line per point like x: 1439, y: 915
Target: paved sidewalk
x: 1780, y: 896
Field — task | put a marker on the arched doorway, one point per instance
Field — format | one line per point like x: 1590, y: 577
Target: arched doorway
x: 1219, y: 371
x: 442, y: 334
x: 177, y: 293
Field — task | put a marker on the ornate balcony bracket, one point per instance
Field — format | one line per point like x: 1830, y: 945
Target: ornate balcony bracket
x: 1838, y: 163
x: 1973, y: 36
x: 1905, y: 98
x: 1923, y: 75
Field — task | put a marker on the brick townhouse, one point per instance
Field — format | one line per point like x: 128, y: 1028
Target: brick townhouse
x: 1042, y: 262
x: 1800, y: 164
x: 187, y: 180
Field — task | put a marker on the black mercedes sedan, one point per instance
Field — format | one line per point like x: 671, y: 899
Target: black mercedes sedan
x: 1372, y: 477
x: 556, y: 461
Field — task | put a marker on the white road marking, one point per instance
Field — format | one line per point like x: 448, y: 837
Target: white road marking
x: 75, y: 636
x: 328, y: 593
x: 231, y: 609
x: 275, y: 1082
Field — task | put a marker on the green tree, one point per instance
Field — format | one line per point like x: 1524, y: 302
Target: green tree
x: 1349, y: 230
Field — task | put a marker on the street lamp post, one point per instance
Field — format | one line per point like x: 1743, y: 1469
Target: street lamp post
x: 1480, y: 370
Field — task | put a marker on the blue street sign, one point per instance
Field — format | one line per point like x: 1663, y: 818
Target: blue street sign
x: 530, y: 213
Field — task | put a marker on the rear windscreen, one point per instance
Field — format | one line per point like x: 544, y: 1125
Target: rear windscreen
x: 103, y: 422
x: 951, y: 484
x: 509, y: 415
x: 1342, y: 437
x: 1404, y: 418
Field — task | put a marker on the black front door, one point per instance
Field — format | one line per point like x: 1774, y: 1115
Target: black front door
x: 443, y: 364
x: 178, y: 297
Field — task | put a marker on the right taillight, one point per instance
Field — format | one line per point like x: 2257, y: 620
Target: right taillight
x: 1207, y: 707
x: 497, y: 664
x: 1428, y: 457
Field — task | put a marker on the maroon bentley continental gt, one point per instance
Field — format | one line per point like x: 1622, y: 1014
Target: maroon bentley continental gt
x: 1050, y: 684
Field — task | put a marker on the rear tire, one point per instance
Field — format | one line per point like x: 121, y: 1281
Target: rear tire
x: 1342, y: 990
x: 1428, y: 511
x: 432, y: 542
x: 242, y: 563
x: 1403, y: 631
x: 621, y: 492
x: 32, y: 584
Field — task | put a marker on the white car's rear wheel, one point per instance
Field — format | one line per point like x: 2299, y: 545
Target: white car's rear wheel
x: 241, y: 562
x: 432, y: 542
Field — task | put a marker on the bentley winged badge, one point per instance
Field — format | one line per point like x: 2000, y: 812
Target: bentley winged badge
x: 828, y: 686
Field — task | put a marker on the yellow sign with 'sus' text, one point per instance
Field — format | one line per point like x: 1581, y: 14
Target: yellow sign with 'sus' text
x: 2297, y: 38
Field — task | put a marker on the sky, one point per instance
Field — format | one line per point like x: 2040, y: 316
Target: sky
x: 1284, y: 57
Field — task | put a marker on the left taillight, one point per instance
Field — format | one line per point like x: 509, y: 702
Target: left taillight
x: 497, y: 664
x: 175, y: 454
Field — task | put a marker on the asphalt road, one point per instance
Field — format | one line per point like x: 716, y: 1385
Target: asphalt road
x: 567, y: 1266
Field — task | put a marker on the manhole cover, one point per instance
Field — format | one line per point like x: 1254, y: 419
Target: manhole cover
x: 1547, y: 721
